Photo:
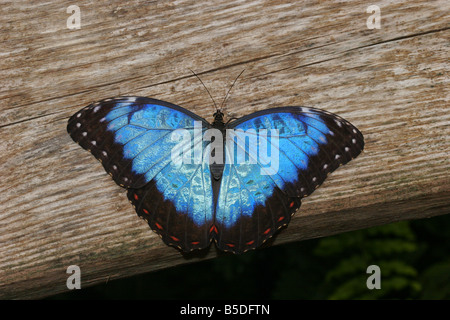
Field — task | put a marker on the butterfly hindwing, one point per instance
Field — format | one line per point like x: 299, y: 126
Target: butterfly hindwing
x: 255, y: 200
x: 181, y: 210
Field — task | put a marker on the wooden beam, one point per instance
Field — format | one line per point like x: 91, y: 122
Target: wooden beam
x: 58, y: 207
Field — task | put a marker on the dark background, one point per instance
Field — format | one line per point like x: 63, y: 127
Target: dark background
x: 413, y: 257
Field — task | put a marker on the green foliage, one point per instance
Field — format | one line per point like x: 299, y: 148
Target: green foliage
x: 436, y: 280
x: 433, y: 258
x: 388, y: 247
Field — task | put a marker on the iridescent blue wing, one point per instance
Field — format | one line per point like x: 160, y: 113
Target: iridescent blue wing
x: 133, y: 138
x: 294, y: 151
x: 178, y: 205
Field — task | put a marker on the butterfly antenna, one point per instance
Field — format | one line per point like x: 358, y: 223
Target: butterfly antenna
x: 226, y: 96
x: 215, y: 105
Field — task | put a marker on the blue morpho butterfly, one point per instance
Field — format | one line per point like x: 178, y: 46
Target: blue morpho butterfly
x: 239, y: 201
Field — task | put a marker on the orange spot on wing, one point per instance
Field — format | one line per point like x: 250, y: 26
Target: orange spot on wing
x: 174, y: 238
x: 230, y: 245
x: 250, y: 242
x: 145, y: 211
x: 267, y: 231
x: 291, y: 204
x: 213, y: 229
x: 280, y: 218
x: 195, y: 242
x: 158, y: 226
x: 136, y: 196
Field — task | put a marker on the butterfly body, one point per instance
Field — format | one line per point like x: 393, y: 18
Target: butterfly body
x: 219, y: 124
x: 243, y: 181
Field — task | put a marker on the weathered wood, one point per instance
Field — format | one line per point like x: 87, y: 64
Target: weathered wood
x: 58, y: 207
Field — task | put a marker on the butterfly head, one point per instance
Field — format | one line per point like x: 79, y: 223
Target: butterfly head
x: 218, y: 116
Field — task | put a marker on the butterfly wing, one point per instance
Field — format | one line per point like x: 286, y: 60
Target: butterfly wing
x: 261, y: 189
x: 133, y: 137
x: 178, y: 205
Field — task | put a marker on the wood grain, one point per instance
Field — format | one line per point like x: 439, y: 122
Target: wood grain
x: 58, y: 207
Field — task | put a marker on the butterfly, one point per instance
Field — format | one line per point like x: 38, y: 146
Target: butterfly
x: 234, y: 183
